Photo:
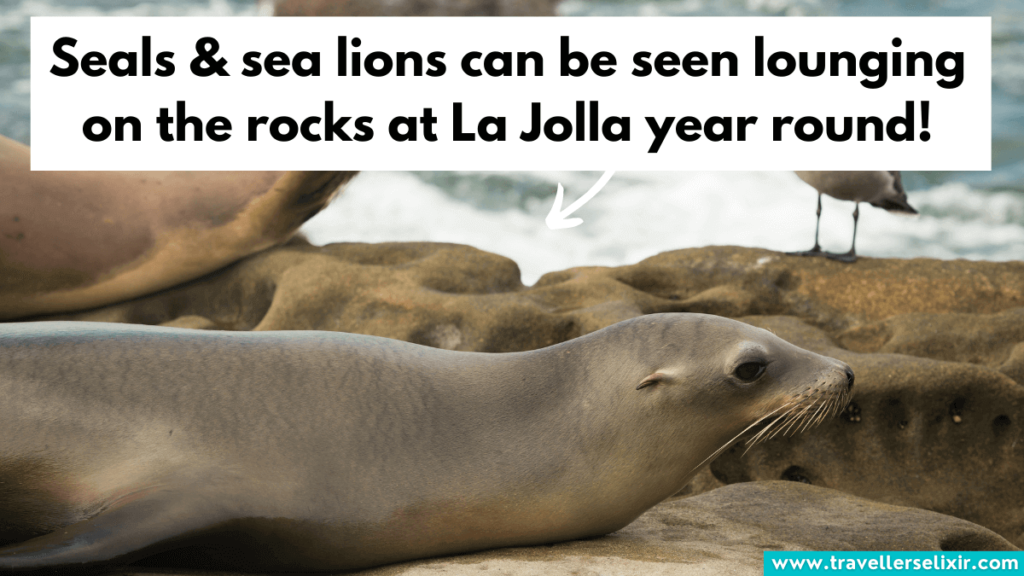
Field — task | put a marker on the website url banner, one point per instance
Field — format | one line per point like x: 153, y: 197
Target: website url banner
x: 779, y: 563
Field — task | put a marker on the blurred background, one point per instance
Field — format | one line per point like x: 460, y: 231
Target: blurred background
x: 975, y: 215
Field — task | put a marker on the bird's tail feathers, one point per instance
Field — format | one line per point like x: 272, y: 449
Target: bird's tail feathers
x: 898, y: 183
x: 895, y: 205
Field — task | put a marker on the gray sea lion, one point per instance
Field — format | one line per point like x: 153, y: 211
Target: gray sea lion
x: 880, y: 189
x: 76, y: 240
x: 315, y: 451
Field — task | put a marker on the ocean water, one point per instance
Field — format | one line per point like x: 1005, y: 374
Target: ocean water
x: 976, y: 215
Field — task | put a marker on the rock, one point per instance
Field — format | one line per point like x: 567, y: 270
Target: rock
x: 993, y: 340
x: 944, y: 436
x: 726, y: 531
x: 299, y: 286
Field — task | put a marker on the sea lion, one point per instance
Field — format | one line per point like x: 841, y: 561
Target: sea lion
x: 322, y: 451
x: 880, y: 189
x: 76, y: 240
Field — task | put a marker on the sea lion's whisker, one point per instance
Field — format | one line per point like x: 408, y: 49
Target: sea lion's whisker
x: 830, y: 408
x: 821, y: 417
x: 771, y: 425
x: 793, y: 423
x: 758, y: 421
x: 814, y: 418
x: 804, y: 411
x: 819, y: 414
x: 754, y: 440
x: 757, y: 437
x: 793, y: 418
x: 729, y: 443
x: 789, y: 416
x: 838, y: 404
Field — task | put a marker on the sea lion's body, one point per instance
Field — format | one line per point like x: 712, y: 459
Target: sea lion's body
x: 77, y: 240
x: 302, y: 451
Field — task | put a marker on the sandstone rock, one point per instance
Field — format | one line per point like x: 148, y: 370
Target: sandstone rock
x: 304, y: 287
x: 944, y: 436
x: 993, y: 340
x: 726, y: 532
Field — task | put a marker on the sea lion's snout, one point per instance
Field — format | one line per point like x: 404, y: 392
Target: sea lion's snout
x: 842, y: 377
x: 795, y: 389
x: 837, y: 379
x: 838, y: 376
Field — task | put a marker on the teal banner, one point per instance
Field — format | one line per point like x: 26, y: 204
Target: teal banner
x: 888, y: 562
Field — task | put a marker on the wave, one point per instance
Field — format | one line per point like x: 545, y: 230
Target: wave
x: 640, y: 214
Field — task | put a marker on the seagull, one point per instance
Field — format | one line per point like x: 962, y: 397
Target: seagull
x: 880, y: 189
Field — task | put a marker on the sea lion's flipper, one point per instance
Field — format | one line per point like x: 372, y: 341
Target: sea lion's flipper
x: 297, y: 197
x: 118, y: 535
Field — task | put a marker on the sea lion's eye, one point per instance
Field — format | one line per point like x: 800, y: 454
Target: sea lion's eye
x: 749, y: 371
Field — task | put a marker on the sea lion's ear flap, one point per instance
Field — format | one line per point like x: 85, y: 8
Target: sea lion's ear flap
x: 651, y: 380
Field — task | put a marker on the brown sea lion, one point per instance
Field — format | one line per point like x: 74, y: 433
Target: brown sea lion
x: 76, y: 240
x: 323, y: 451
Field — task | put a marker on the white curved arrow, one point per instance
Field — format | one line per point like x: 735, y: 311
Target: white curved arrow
x: 556, y: 217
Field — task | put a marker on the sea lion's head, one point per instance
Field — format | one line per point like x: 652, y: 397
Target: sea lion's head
x: 719, y: 379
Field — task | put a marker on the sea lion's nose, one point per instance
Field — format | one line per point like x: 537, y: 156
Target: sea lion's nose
x: 849, y: 378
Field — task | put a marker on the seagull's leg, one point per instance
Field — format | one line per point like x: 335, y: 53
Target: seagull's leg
x: 853, y: 245
x: 850, y: 256
x: 816, y: 251
x: 817, y: 226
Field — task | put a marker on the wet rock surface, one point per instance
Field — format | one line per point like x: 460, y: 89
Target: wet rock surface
x: 937, y: 346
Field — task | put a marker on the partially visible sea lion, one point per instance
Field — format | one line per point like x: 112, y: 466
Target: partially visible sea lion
x: 76, y: 240
x: 321, y: 451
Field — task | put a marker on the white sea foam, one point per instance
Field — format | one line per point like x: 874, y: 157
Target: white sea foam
x: 690, y: 7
